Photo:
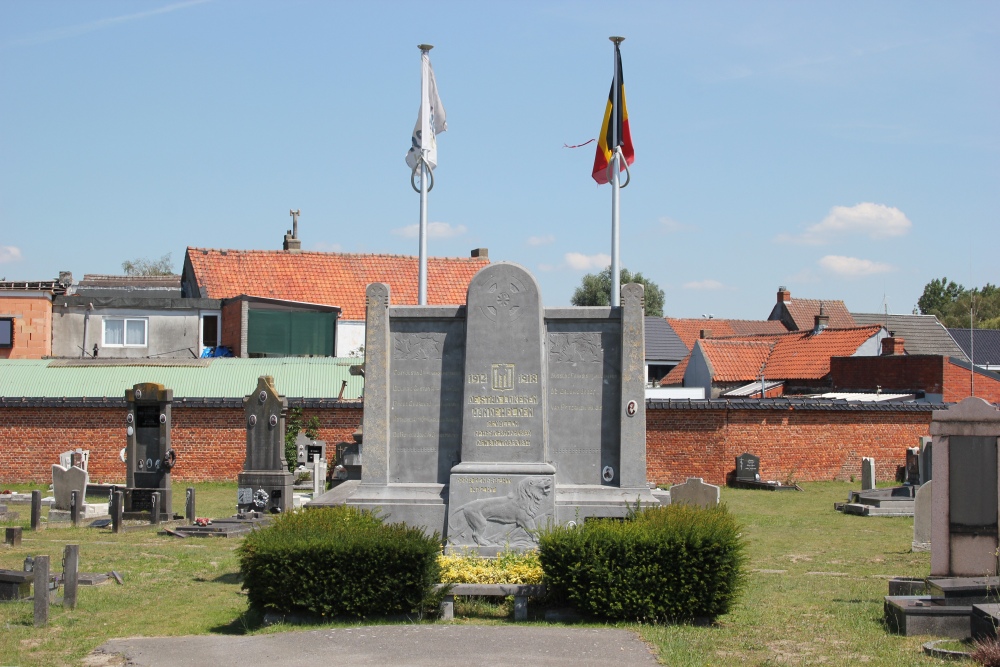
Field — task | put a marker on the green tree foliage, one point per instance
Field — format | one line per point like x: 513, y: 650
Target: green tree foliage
x: 142, y: 266
x: 952, y: 303
x: 595, y: 290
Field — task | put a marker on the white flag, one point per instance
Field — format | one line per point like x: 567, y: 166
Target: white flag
x: 430, y: 120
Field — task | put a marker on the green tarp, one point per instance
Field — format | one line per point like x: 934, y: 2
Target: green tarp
x: 287, y: 333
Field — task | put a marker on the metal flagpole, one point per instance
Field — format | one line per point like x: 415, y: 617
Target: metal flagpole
x: 616, y: 288
x: 425, y: 130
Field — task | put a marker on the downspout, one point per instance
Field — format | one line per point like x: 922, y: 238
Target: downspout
x: 86, y: 322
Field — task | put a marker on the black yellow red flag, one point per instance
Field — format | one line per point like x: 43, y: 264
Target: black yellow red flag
x: 614, y: 130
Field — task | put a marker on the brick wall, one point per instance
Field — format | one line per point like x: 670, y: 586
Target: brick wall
x: 232, y: 327
x: 958, y: 384
x: 210, y: 442
x: 804, y: 445
x: 892, y: 373
x: 32, y: 317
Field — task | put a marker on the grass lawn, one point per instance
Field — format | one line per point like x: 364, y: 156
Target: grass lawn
x: 814, y: 593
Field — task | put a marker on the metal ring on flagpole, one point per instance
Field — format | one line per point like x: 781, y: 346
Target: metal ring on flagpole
x: 413, y: 175
x: 628, y: 174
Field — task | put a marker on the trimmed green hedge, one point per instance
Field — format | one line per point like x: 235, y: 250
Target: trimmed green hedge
x: 664, y: 564
x: 339, y: 561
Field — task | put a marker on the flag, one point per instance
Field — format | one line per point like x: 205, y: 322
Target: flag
x: 430, y: 121
x: 615, y: 118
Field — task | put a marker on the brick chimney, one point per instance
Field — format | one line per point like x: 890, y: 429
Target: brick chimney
x: 292, y: 242
x: 705, y: 333
x: 893, y: 345
x: 821, y: 321
x: 481, y: 252
x: 784, y: 296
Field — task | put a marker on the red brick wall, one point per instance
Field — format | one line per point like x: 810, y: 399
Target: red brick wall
x: 231, y: 322
x: 32, y: 326
x: 210, y: 442
x: 804, y: 445
x: 895, y: 373
x: 958, y: 384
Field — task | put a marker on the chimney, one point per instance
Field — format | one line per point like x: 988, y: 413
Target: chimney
x: 292, y: 242
x: 481, y: 252
x: 784, y: 296
x: 821, y: 321
x: 705, y: 333
x: 893, y: 345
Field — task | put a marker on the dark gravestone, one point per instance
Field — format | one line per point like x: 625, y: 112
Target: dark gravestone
x: 747, y: 468
x: 504, y: 487
x: 190, y: 511
x: 36, y: 510
x: 265, y: 485
x: 149, y: 457
x: 972, y: 465
x: 913, y: 466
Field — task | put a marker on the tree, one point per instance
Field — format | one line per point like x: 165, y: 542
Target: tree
x: 955, y: 305
x: 148, y: 267
x: 595, y: 290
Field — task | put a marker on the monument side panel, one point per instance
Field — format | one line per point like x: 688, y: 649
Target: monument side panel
x: 376, y: 415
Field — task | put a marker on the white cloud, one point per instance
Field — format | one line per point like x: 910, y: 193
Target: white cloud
x: 9, y: 253
x: 853, y: 266
x: 703, y: 284
x: 323, y: 246
x: 541, y: 240
x: 876, y: 221
x: 582, y: 262
x: 435, y: 230
x: 670, y: 225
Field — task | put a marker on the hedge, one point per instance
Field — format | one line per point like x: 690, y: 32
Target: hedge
x: 664, y: 564
x: 339, y: 561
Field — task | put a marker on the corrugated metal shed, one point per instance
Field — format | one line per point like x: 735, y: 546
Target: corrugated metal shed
x: 295, y: 377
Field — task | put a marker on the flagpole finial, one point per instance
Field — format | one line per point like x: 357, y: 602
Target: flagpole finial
x: 617, y: 40
x: 425, y: 47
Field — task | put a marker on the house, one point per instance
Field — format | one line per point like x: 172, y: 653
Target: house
x: 793, y: 362
x: 305, y: 280
x: 26, y: 316
x: 799, y: 314
x: 980, y: 345
x: 923, y: 334
x: 133, y: 317
x: 664, y: 349
x: 933, y: 377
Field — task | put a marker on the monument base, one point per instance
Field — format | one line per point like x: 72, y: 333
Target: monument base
x: 578, y: 502
x: 421, y: 505
x: 266, y: 491
x: 489, y: 512
x: 140, y: 499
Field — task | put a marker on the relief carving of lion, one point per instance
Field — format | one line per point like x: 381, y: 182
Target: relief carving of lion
x: 518, y: 509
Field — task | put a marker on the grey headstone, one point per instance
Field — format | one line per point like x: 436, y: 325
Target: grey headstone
x: 747, y: 468
x: 64, y: 482
x: 71, y: 569
x: 265, y: 485
x: 867, y: 473
x: 926, y: 459
x: 695, y: 492
x: 913, y: 466
x: 41, y: 590
x: 923, y: 510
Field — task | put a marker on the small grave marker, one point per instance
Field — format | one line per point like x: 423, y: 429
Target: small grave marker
x: 747, y: 468
x: 867, y: 473
x: 695, y: 492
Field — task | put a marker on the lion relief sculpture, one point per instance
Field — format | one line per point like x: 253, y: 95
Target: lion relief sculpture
x: 495, y: 521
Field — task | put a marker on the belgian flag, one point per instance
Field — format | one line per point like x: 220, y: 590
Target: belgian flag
x: 615, y: 126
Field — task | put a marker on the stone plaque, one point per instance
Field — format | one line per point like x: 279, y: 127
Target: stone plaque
x: 747, y: 468
x: 500, y: 511
x: 972, y: 467
x: 425, y: 417
x: 504, y: 382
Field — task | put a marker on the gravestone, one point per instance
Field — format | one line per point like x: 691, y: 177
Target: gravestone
x: 149, y: 457
x: 75, y: 457
x: 923, y: 510
x: 483, y: 422
x: 964, y: 529
x: 912, y: 466
x: 926, y: 459
x: 64, y: 482
x: 306, y: 449
x: 265, y: 485
x: 747, y: 468
x: 867, y: 473
x: 695, y: 492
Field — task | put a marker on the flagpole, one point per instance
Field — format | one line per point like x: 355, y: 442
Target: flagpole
x: 616, y: 288
x: 425, y: 126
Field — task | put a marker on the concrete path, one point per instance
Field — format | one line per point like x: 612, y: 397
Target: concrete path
x: 390, y: 645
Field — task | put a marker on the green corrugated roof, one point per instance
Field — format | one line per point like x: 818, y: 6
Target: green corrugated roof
x: 294, y: 377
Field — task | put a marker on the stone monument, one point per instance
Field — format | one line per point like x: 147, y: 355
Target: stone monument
x: 265, y: 485
x: 867, y: 473
x: 747, y: 468
x: 964, y: 527
x: 148, y: 455
x: 695, y: 492
x: 487, y: 421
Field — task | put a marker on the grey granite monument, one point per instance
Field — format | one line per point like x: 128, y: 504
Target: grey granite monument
x: 149, y: 457
x: 867, y: 473
x: 265, y: 485
x: 487, y: 421
x: 923, y: 509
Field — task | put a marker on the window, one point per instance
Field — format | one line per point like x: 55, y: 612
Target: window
x: 6, y: 332
x: 124, y: 332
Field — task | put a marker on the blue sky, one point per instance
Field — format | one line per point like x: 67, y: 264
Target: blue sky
x: 845, y: 150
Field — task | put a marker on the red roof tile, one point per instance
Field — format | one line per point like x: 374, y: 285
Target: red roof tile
x: 736, y: 360
x: 689, y: 329
x: 335, y: 279
x: 804, y: 311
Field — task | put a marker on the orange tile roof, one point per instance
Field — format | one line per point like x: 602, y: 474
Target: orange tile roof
x: 804, y: 311
x: 675, y: 378
x: 335, y: 279
x: 736, y: 360
x: 689, y: 329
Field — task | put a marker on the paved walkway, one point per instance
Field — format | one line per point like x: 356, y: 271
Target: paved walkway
x: 392, y: 645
